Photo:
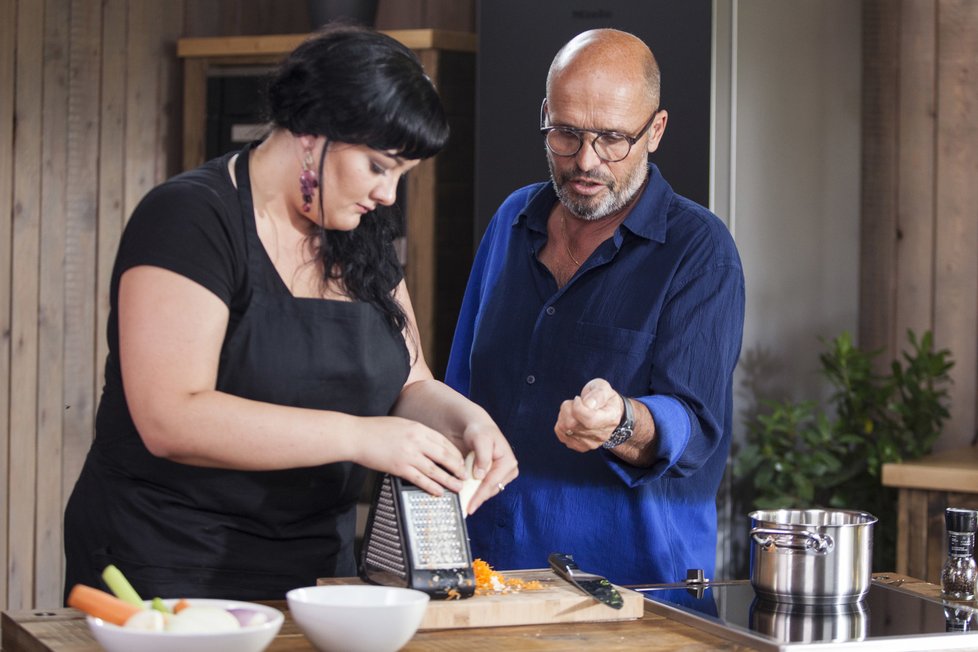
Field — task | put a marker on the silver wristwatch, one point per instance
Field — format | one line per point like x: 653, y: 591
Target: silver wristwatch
x: 626, y: 427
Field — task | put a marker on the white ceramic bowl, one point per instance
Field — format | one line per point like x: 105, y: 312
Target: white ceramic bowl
x: 253, y: 638
x: 357, y: 618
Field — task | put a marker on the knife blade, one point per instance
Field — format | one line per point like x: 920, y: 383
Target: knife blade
x: 594, y: 585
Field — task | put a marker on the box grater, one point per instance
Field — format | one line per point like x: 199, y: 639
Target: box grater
x: 417, y: 540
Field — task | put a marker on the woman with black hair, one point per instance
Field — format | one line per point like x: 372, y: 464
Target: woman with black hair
x: 263, y: 352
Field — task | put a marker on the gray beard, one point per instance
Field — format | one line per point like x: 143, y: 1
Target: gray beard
x: 589, y: 209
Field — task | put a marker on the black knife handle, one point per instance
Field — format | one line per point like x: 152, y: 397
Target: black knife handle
x: 563, y: 564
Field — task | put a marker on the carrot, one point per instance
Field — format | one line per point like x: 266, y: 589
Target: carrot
x: 180, y: 605
x: 100, y: 604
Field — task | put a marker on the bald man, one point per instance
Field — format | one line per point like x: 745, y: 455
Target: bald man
x: 600, y: 328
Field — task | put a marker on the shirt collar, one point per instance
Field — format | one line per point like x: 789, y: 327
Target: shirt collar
x: 647, y: 218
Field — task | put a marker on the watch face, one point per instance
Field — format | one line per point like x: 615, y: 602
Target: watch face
x: 623, y: 433
x: 619, y: 436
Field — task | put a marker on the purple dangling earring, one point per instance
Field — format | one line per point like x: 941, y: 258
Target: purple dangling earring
x: 307, y: 182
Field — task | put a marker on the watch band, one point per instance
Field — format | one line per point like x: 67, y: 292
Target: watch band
x: 626, y: 427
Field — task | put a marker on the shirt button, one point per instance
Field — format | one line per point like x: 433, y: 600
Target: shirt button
x: 551, y: 310
x: 531, y: 379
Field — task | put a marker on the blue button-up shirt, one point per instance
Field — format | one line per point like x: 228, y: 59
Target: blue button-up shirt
x: 657, y: 310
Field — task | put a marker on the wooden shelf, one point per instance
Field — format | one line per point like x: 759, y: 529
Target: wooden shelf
x: 276, y: 45
x: 927, y: 487
x: 439, y: 196
x: 953, y: 470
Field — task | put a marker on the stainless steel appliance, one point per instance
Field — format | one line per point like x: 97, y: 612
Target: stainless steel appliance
x: 418, y: 541
x: 886, y: 619
x: 811, y: 556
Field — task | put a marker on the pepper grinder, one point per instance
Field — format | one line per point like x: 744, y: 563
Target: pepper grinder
x: 960, y: 571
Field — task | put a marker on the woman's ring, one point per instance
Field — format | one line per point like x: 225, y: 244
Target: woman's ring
x: 501, y: 487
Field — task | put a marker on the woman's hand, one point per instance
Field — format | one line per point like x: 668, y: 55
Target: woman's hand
x: 412, y: 451
x: 495, y: 465
x: 465, y: 424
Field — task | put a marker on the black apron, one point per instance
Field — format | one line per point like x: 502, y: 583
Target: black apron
x: 184, y: 531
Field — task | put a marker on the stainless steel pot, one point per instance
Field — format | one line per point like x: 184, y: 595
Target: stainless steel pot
x: 811, y: 556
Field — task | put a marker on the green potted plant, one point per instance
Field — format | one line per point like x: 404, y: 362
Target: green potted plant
x: 799, y: 455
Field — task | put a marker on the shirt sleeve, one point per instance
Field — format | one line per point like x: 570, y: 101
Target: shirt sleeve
x: 697, y: 345
x: 183, y: 227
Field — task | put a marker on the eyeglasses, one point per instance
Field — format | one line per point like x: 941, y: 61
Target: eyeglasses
x: 610, y: 146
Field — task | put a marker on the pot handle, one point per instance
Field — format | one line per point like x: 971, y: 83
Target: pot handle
x: 821, y: 544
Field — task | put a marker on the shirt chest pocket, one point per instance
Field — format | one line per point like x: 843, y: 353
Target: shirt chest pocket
x: 612, y: 339
x: 620, y: 355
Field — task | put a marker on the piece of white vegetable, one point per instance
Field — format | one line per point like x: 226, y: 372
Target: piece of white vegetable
x: 203, y: 619
x: 149, y: 620
x: 469, y: 485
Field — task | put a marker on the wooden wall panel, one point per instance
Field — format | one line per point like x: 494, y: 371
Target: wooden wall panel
x: 916, y: 124
x: 51, y: 297
x: 142, y: 101
x: 234, y: 17
x: 111, y: 215
x: 90, y: 119
x: 918, y: 267
x: 458, y: 15
x: 79, y: 264
x: 956, y: 251
x: 8, y: 24
x: 881, y: 47
x: 169, y: 145
x: 421, y: 229
x: 275, y: 17
x: 21, y: 476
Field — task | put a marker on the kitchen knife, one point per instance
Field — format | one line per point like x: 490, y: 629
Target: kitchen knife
x: 594, y: 585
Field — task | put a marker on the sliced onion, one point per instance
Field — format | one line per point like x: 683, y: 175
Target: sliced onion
x: 249, y: 617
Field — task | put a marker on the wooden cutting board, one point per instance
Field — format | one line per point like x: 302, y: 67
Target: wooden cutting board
x: 557, y: 602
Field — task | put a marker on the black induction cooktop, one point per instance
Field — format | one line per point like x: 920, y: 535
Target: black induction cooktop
x: 885, y: 619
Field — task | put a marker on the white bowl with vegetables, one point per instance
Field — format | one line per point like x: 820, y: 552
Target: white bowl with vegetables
x: 203, y: 625
x: 122, y: 621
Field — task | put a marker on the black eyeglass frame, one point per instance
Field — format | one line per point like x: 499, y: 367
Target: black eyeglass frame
x: 579, y: 132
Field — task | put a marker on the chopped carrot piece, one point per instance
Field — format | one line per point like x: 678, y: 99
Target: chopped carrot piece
x: 100, y: 604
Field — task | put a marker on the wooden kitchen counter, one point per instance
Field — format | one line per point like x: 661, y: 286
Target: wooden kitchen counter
x: 927, y: 487
x: 65, y: 630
